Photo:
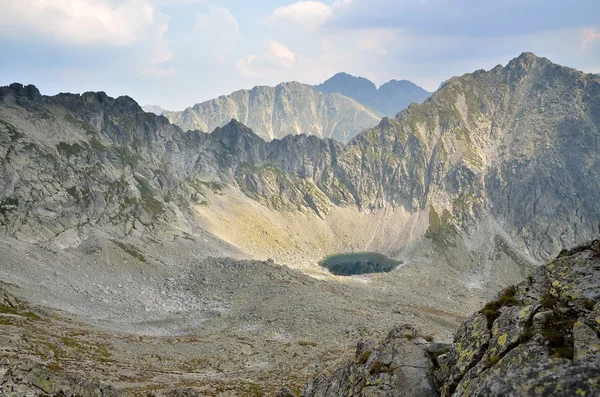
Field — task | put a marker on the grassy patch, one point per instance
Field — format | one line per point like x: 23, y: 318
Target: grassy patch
x: 506, y: 298
x: 148, y: 201
x: 557, y: 329
x: 126, y: 156
x: 364, y: 357
x: 441, y: 230
x: 15, y: 310
x: 12, y: 131
x: 548, y: 301
x: 97, y: 145
x: 70, y: 150
x: 8, y: 204
x: 131, y: 250
x: 256, y: 390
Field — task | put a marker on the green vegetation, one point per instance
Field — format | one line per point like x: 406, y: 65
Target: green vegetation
x: 441, y: 230
x: 557, y: 329
x: 364, y: 357
x: 507, y: 298
x: 148, y: 201
x: 8, y: 204
x: 256, y: 390
x: 493, y: 361
x: 126, y: 156
x: 6, y: 309
x: 70, y: 150
x: 358, y: 263
x: 201, y: 186
x: 131, y: 250
x: 12, y: 130
x: 97, y: 145
x: 548, y: 301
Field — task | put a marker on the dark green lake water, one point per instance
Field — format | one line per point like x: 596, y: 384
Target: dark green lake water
x: 359, y: 263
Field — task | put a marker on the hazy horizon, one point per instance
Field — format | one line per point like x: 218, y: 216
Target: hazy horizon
x: 175, y: 53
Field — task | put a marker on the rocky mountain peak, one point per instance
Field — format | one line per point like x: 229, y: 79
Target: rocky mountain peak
x: 23, y: 93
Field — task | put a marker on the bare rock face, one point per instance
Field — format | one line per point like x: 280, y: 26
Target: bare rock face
x: 538, y: 338
x: 274, y: 112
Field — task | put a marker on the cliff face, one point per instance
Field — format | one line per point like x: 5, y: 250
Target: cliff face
x: 274, y: 112
x: 538, y: 338
x: 511, y: 154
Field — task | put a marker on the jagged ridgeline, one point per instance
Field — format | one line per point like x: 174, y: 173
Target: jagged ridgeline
x: 274, y: 112
x: 512, y: 154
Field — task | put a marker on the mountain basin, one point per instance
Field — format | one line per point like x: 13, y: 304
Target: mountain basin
x: 353, y: 263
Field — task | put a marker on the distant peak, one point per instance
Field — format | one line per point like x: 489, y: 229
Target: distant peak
x: 346, y: 77
x: 234, y: 123
x: 527, y: 55
x: 525, y: 58
x: 344, y: 74
x: 233, y: 131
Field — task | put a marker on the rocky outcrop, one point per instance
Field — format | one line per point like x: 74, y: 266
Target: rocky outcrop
x: 538, y: 338
x: 274, y: 112
x: 398, y: 366
x: 388, y: 100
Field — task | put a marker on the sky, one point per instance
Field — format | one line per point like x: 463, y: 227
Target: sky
x: 175, y: 53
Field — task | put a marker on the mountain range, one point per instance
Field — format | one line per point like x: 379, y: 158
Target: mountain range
x: 339, y: 108
x: 274, y: 112
x: 487, y: 149
x: 492, y: 175
x: 387, y: 100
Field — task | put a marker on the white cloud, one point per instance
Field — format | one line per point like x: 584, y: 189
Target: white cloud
x: 215, y: 33
x: 133, y: 24
x: 81, y: 21
x: 279, y: 54
x: 308, y: 14
x: 589, y: 36
x: 276, y: 58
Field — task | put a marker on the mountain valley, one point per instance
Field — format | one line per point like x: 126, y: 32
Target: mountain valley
x: 152, y: 258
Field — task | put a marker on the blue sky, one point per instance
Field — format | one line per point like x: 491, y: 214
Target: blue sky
x: 175, y: 53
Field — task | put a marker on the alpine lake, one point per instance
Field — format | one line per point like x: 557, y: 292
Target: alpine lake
x: 355, y: 263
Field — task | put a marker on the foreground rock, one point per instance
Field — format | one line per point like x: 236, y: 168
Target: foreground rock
x: 28, y: 378
x: 538, y: 338
x: 399, y: 366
